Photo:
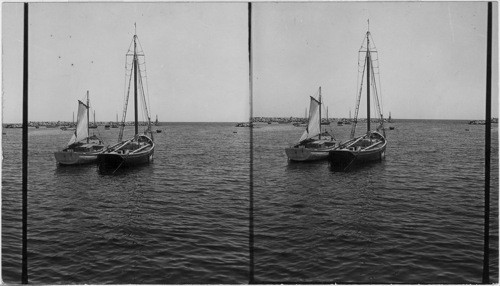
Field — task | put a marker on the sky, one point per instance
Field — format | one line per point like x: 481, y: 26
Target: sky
x: 432, y: 57
x: 196, y: 59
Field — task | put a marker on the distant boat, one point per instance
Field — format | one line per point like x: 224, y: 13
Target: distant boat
x: 158, y: 130
x: 391, y: 127
x: 370, y: 146
x: 107, y: 126
x: 81, y: 149
x: 94, y: 125
x: 244, y: 124
x: 312, y: 146
x: 139, y: 149
x: 327, y: 122
x: 156, y: 121
x: 115, y: 125
x: 348, y: 122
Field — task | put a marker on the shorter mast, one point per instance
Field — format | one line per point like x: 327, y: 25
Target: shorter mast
x: 320, y: 112
x: 88, y: 132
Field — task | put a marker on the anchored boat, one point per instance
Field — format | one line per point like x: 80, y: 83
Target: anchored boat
x: 139, y: 149
x: 371, y: 145
x: 313, y: 144
x: 81, y: 149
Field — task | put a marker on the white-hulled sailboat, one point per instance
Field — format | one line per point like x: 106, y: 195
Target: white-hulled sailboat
x: 139, y: 149
x: 81, y: 149
x: 313, y: 144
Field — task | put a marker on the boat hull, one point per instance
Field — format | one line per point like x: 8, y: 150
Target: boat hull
x: 75, y: 158
x: 343, y: 159
x: 113, y: 159
x: 302, y: 154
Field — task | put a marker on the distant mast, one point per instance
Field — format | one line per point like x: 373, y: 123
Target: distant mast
x: 320, y: 112
x: 88, y: 132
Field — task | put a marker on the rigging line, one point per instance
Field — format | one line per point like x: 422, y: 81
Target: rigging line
x: 147, y: 85
x: 145, y: 114
x: 124, y: 114
x: 356, y: 112
x: 375, y: 97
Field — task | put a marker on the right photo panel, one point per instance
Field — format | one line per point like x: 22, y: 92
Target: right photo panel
x: 369, y: 142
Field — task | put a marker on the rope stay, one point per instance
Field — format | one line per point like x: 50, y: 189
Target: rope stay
x: 374, y: 74
x: 140, y: 59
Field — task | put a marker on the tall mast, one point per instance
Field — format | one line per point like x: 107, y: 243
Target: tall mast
x: 368, y: 80
x: 320, y: 112
x: 135, y: 85
x: 88, y: 132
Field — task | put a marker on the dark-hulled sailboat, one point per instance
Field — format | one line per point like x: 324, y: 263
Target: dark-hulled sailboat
x: 139, y: 149
x: 371, y: 145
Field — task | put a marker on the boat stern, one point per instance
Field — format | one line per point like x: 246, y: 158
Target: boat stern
x: 73, y: 158
x: 341, y: 160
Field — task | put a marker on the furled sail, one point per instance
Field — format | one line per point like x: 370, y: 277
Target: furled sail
x: 313, y: 126
x: 81, y: 131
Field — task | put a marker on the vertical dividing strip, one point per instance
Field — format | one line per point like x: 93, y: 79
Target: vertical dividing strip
x: 24, y: 274
x: 487, y: 152
x: 250, y: 75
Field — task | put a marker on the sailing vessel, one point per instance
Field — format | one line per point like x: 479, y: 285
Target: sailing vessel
x: 94, y: 125
x: 327, y: 122
x: 371, y: 145
x: 348, y: 121
x: 313, y: 144
x: 140, y: 148
x: 115, y: 125
x: 81, y: 149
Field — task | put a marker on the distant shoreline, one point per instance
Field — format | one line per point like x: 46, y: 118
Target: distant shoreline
x: 283, y: 120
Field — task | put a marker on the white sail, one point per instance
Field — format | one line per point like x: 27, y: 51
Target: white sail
x: 81, y: 131
x: 313, y: 126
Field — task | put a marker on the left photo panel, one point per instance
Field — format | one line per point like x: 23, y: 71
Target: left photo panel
x: 138, y: 143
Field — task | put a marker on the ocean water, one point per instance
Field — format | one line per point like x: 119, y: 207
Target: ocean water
x: 181, y: 219
x: 416, y: 217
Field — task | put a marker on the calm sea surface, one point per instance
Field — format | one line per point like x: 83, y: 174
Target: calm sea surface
x: 417, y: 217
x: 181, y: 219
